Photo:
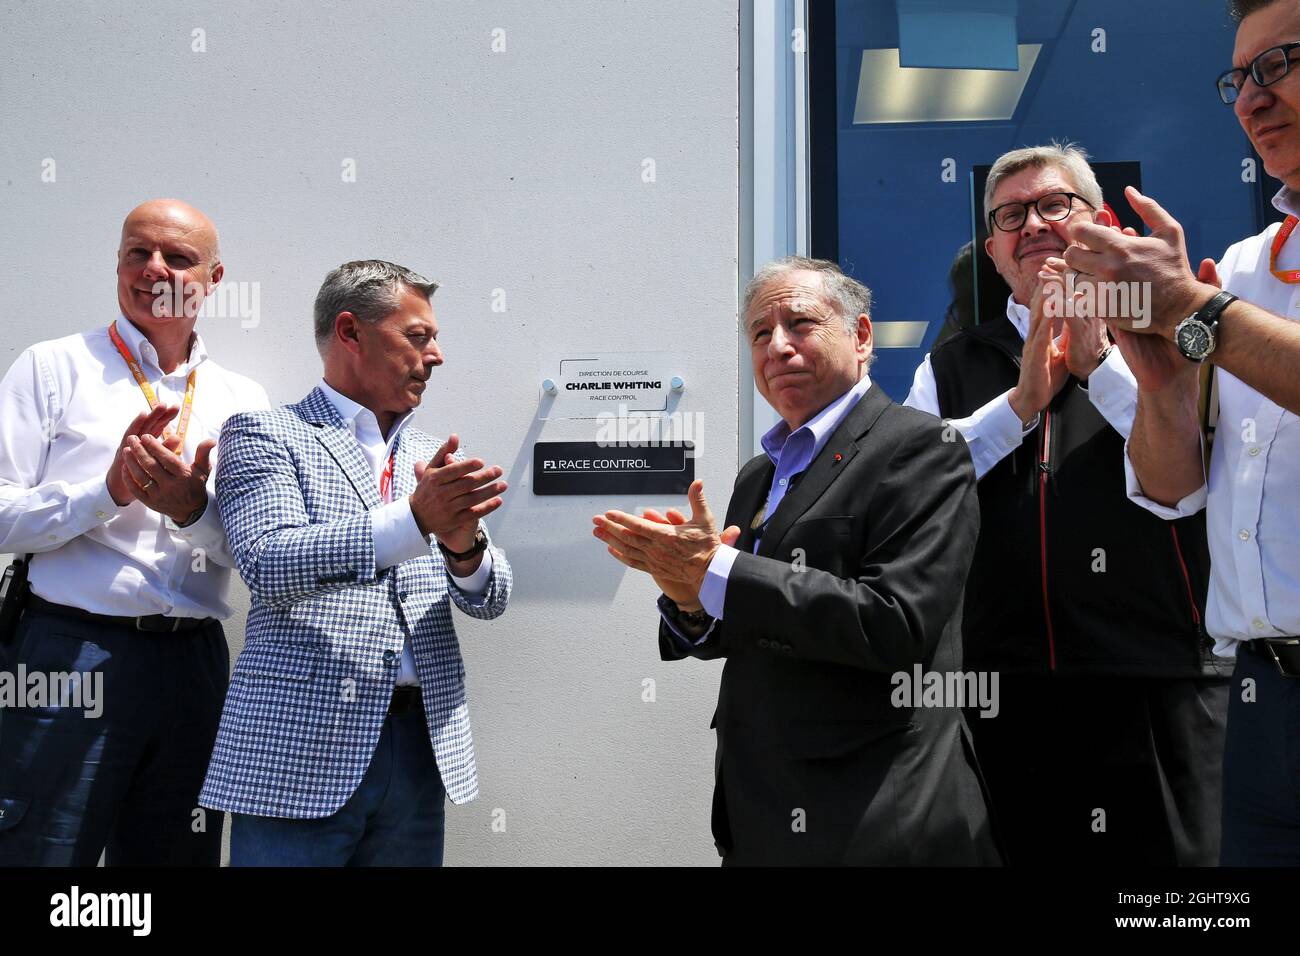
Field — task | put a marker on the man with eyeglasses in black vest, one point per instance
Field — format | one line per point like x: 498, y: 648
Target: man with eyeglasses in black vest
x: 1107, y: 743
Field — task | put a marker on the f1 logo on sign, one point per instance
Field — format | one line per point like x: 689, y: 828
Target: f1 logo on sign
x: 592, y: 468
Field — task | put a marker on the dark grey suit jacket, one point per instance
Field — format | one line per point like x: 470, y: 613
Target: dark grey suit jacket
x: 859, y: 575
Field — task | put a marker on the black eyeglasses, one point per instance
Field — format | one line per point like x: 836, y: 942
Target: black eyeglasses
x: 1051, y: 208
x: 1266, y: 69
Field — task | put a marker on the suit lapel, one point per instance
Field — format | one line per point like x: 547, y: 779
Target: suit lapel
x: 340, y: 443
x: 824, y: 469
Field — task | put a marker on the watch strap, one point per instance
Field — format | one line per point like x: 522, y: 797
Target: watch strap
x: 479, y: 546
x: 1210, y: 312
x: 693, y: 618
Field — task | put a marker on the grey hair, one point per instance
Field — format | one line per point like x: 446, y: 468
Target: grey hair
x: 849, y: 296
x: 1066, y: 156
x: 1240, y: 9
x: 368, y: 288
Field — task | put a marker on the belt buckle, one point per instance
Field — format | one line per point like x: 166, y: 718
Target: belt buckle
x: 139, y: 625
x: 1277, y: 660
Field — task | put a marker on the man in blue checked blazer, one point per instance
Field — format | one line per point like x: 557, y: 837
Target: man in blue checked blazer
x: 346, y: 723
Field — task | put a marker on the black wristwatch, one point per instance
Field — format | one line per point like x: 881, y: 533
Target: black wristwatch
x: 690, y: 618
x: 478, y: 547
x: 1198, y: 334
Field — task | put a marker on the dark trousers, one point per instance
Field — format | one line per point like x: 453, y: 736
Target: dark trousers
x: 395, y: 817
x: 74, y: 783
x: 1261, y: 766
x: 1105, y: 771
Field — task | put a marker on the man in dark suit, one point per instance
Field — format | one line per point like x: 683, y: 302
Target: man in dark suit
x: 840, y: 570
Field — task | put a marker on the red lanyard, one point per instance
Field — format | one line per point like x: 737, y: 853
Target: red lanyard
x: 386, y: 479
x: 149, y: 396
x: 1289, y: 276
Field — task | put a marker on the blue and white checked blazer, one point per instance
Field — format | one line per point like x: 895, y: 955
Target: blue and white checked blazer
x: 311, y: 688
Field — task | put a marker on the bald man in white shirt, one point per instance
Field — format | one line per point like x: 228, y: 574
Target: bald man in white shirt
x: 106, y: 439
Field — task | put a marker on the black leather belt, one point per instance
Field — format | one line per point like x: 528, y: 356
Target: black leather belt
x: 405, y: 700
x: 154, y: 623
x: 1282, y: 651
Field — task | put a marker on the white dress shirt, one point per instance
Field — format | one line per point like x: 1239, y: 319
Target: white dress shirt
x: 397, y: 536
x: 64, y: 405
x: 993, y: 431
x: 1253, y: 516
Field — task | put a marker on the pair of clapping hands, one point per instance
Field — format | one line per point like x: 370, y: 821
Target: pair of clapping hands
x: 450, y: 496
x: 1068, y: 295
x: 672, y: 549
x: 148, y: 467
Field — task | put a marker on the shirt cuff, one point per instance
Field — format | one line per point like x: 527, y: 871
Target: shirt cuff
x: 993, y: 432
x: 397, y: 536
x: 206, y: 532
x: 1002, y: 424
x: 1185, y: 508
x: 475, y: 585
x: 91, y: 503
x: 1112, y: 389
x: 713, y: 592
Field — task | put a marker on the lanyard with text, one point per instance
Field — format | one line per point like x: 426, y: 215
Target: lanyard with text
x: 152, y: 399
x: 386, y: 479
x: 1289, y: 276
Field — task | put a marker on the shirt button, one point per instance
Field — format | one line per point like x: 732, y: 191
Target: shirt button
x: 401, y: 596
x: 1243, y: 534
x: 100, y: 514
x: 1253, y: 451
x: 763, y: 642
x: 53, y: 537
x: 1258, y: 624
x: 390, y: 656
x: 782, y: 482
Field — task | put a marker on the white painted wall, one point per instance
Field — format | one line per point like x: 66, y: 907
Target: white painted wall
x: 519, y: 170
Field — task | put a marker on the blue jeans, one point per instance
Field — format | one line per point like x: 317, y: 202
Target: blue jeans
x: 395, y: 817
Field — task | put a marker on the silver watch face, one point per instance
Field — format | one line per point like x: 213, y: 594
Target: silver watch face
x: 1194, y: 338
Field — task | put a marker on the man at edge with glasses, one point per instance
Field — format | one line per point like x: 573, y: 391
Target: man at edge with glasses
x: 1107, y: 744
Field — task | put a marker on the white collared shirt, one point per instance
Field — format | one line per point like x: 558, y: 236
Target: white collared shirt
x: 396, y: 534
x: 993, y: 431
x: 64, y: 405
x: 1253, y: 516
